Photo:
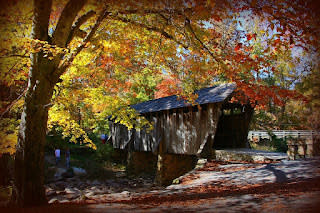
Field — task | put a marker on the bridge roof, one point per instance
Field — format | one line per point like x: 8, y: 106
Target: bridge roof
x: 208, y: 95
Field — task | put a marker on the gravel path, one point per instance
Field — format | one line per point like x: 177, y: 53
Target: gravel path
x: 250, y: 174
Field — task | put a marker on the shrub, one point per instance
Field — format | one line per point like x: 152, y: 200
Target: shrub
x: 280, y: 144
x: 103, y: 152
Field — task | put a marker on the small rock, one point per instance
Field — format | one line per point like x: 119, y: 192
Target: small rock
x: 202, y: 161
x: 76, y: 189
x: 61, y: 192
x: 53, y: 200
x: 72, y: 196
x: 71, y: 191
x: 90, y: 194
x: 48, y: 188
x: 93, y: 188
x: 79, y: 171
x: 51, y: 193
x: 124, y: 193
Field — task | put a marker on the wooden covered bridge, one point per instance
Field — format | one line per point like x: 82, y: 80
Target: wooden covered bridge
x: 183, y: 132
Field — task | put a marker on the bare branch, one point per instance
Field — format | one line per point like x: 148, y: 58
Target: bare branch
x: 11, y: 68
x: 151, y: 11
x: 151, y: 28
x: 188, y: 24
x: 13, y: 103
x: 75, y: 30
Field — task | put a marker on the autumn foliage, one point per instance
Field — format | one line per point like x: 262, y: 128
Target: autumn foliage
x: 151, y: 49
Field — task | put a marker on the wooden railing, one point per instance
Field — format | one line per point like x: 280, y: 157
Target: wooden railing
x: 263, y: 134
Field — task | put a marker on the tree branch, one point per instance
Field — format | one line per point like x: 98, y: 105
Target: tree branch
x: 150, y: 28
x: 41, y: 18
x: 75, y: 30
x: 170, y: 21
x: 66, y: 63
x: 151, y: 11
x: 188, y: 24
x: 13, y: 103
x: 64, y: 26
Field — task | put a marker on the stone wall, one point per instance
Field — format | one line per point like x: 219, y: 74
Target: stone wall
x: 171, y: 166
x: 139, y: 163
x: 303, y: 147
x: 165, y: 166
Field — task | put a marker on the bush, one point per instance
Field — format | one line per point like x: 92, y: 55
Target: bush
x: 274, y: 144
x: 98, y: 163
x: 55, y: 141
x: 280, y: 144
x: 103, y: 152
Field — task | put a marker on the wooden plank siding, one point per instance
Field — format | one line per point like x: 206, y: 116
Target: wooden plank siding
x: 183, y: 131
x: 120, y: 136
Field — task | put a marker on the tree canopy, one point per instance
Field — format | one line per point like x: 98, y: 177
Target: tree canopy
x: 138, y: 46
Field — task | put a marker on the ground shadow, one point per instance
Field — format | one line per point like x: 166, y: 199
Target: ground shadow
x: 280, y: 175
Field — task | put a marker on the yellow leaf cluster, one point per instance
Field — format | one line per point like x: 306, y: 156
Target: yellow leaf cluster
x: 49, y: 50
x: 62, y: 118
x: 8, y: 135
x: 8, y: 142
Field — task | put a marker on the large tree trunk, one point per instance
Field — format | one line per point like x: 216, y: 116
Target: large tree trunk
x: 29, y: 158
x: 28, y: 187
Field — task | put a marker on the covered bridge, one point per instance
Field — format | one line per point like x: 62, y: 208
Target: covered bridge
x: 182, y: 132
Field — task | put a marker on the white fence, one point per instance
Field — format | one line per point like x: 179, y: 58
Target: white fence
x: 263, y: 134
